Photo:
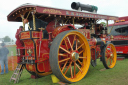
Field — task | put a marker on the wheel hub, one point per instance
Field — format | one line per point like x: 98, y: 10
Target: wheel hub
x: 111, y: 55
x: 75, y: 56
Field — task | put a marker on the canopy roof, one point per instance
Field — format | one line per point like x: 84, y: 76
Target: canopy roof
x: 48, y: 14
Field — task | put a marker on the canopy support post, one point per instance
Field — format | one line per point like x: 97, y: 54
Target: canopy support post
x: 34, y: 24
x: 107, y: 23
x: 73, y: 21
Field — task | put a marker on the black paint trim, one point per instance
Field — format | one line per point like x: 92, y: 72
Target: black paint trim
x: 120, y: 42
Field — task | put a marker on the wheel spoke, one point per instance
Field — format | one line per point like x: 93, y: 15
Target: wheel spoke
x: 70, y: 44
x: 73, y: 40
x: 78, y: 67
x: 76, y: 44
x: 81, y: 52
x: 64, y: 60
x: 74, y: 69
x: 83, y: 57
x: 64, y: 66
x: 67, y: 68
x: 66, y: 44
x: 112, y: 57
x: 64, y: 50
x: 62, y: 54
x: 71, y: 71
x: 110, y: 61
x: 79, y: 62
x: 107, y: 60
x: 106, y: 51
x: 111, y: 49
x: 80, y: 46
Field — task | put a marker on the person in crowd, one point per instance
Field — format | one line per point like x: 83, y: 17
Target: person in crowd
x: 19, y: 43
x: 3, y: 58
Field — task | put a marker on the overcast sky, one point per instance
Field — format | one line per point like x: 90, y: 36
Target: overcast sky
x: 107, y: 7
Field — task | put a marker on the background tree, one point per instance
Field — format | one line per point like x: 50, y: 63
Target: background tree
x: 7, y: 39
x: 104, y: 24
x: 12, y: 40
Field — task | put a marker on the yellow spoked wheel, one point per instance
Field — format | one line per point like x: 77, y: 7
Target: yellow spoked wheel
x: 109, y: 56
x: 70, y: 56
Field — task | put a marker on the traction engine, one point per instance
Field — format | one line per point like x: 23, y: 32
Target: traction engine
x: 52, y: 44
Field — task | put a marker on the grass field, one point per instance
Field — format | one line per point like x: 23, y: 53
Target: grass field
x: 95, y: 76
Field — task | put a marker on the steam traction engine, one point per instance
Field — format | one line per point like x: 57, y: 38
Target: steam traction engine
x: 51, y: 43
x: 119, y: 37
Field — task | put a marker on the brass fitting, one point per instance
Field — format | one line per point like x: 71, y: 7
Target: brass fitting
x: 111, y: 37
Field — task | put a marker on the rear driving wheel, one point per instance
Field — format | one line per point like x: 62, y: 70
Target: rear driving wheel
x: 109, y: 56
x: 70, y: 56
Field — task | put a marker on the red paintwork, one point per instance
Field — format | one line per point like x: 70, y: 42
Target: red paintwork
x: 25, y: 35
x: 44, y: 66
x: 121, y: 49
x: 119, y: 23
x: 61, y: 29
x: 36, y: 34
x: 123, y: 18
x: 42, y: 60
x: 71, y: 13
x: 51, y: 26
x: 86, y: 32
x: 119, y: 37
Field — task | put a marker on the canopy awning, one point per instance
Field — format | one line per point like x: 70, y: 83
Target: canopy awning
x: 48, y: 13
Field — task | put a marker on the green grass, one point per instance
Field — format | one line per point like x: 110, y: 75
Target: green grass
x: 116, y: 76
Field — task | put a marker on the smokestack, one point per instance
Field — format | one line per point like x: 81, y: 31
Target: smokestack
x: 80, y: 7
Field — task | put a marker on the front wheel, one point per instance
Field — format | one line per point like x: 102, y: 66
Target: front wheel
x: 109, y: 56
x: 70, y: 56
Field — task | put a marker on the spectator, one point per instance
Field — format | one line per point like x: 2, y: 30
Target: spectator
x: 3, y: 58
x: 19, y: 43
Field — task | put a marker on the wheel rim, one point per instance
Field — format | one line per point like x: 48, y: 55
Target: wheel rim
x: 110, y: 55
x: 74, y: 56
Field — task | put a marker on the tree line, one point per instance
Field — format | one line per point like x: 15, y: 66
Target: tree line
x: 7, y: 39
